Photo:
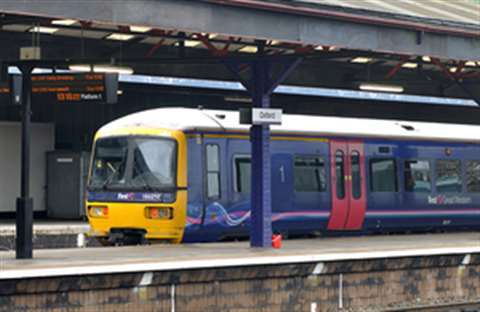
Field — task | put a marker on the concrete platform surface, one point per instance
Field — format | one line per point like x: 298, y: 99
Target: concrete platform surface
x: 48, y: 234
x: 47, y: 227
x: 98, y: 260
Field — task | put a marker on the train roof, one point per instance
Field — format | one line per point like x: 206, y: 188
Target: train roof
x: 190, y: 119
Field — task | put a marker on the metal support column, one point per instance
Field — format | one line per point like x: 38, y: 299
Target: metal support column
x: 261, y: 211
x: 260, y: 86
x: 24, y: 215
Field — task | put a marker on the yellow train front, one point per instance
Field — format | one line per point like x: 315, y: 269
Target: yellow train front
x: 137, y: 184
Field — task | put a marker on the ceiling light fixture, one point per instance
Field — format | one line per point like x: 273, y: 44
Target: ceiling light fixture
x: 361, y: 60
x: 119, y: 37
x: 113, y: 69
x: 249, y: 49
x: 44, y: 30
x: 426, y: 59
x: 410, y: 65
x: 319, y: 48
x: 192, y: 43
x: 64, y: 22
x: 140, y: 29
x: 209, y: 36
x: 328, y: 48
x: 80, y: 67
x: 380, y: 87
x: 101, y: 68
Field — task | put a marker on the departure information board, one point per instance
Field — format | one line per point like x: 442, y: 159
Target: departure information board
x: 68, y: 88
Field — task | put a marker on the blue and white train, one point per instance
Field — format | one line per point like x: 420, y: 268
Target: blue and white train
x: 183, y: 175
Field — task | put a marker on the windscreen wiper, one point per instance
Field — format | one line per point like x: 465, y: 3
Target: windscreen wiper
x: 104, y: 185
x: 146, y: 185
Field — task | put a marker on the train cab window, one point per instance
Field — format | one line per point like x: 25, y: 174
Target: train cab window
x: 309, y: 174
x: 417, y: 176
x: 449, y: 177
x: 243, y: 171
x: 340, y: 174
x: 356, y: 178
x: 472, y: 174
x: 213, y: 171
x: 383, y: 175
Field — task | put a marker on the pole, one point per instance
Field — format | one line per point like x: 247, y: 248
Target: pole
x: 261, y: 226
x: 260, y: 86
x: 24, y: 215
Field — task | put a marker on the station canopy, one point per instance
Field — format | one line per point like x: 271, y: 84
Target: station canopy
x: 427, y: 47
x: 447, y: 12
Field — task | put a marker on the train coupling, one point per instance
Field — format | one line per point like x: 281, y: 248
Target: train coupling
x: 126, y: 237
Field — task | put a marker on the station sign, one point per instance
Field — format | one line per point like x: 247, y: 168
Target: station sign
x: 261, y: 116
x: 67, y: 88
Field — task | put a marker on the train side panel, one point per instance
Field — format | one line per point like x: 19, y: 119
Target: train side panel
x: 394, y: 204
x: 430, y: 193
x: 228, y: 214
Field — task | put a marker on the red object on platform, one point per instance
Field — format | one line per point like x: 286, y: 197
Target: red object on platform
x: 276, y: 241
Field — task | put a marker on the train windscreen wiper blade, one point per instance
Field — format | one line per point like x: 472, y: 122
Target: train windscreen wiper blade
x: 104, y: 185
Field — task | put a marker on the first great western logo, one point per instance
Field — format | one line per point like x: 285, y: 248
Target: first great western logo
x: 448, y: 200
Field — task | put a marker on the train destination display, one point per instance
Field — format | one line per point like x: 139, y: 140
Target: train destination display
x: 67, y: 88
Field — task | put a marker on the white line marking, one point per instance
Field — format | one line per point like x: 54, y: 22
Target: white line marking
x: 146, y: 279
x: 318, y: 268
x: 81, y: 240
x: 340, y: 291
x: 466, y: 260
x: 172, y: 298
x: 96, y: 268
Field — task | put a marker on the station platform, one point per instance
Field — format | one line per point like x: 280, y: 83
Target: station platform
x: 79, y: 261
x: 47, y: 234
x: 375, y: 273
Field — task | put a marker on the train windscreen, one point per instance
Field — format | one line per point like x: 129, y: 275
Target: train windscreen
x: 134, y: 164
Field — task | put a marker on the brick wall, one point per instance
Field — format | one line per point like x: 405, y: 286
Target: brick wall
x: 362, y: 285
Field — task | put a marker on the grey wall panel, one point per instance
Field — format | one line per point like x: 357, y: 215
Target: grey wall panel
x: 43, y: 137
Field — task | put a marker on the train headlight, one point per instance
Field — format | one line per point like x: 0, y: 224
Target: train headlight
x: 98, y: 211
x: 163, y: 213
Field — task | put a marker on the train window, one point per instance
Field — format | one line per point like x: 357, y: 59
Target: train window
x: 356, y: 178
x: 243, y: 171
x: 340, y: 174
x: 309, y: 174
x: 213, y: 171
x: 383, y: 175
x: 417, y: 176
x: 449, y: 178
x: 473, y: 176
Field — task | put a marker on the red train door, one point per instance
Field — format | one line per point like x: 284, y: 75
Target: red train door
x: 348, y: 185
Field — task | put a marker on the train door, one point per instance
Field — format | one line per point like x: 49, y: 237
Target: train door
x: 348, y: 185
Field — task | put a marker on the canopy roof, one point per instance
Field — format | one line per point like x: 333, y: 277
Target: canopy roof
x: 428, y: 11
x: 429, y: 47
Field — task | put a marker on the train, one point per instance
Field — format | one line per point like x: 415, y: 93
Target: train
x: 184, y: 175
